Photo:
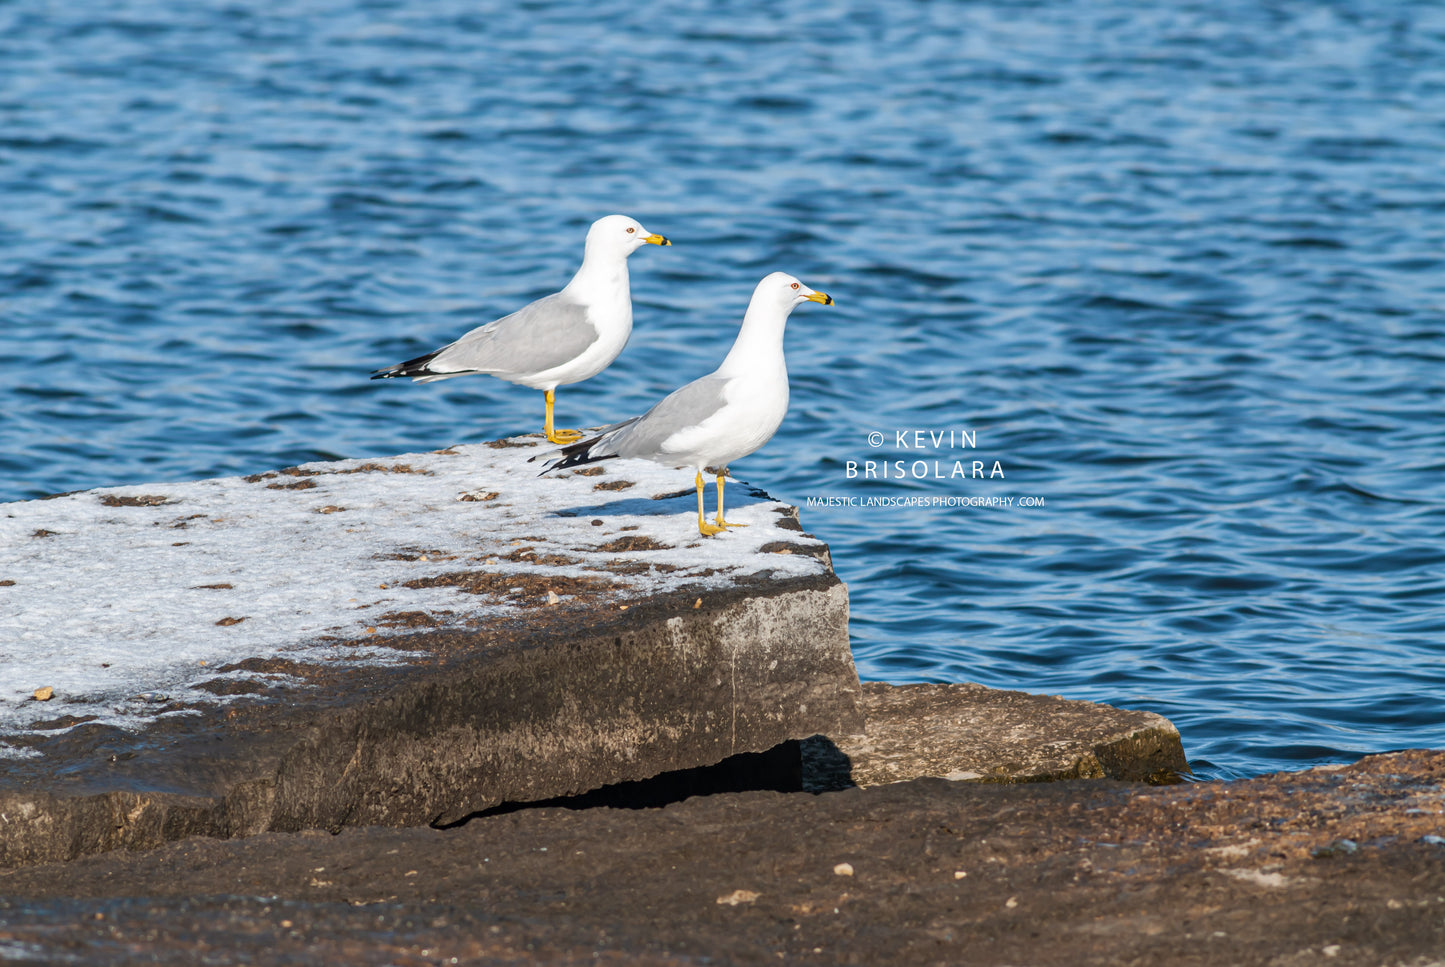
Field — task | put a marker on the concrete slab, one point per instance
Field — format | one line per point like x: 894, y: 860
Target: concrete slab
x: 392, y: 642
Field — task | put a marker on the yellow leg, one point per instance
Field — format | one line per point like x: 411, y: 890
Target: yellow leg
x: 558, y: 436
x: 703, y: 527
x: 720, y: 522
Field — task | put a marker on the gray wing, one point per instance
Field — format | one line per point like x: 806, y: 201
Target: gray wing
x: 550, y: 332
x: 688, y: 406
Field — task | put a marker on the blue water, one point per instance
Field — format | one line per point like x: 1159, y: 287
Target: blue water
x: 1177, y: 269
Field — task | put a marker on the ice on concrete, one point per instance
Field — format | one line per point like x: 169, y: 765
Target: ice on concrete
x: 122, y: 600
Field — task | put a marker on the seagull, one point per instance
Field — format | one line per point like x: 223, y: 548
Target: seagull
x: 719, y: 418
x: 562, y: 338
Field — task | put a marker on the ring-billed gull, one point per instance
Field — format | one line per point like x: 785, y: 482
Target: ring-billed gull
x: 720, y: 417
x: 562, y: 338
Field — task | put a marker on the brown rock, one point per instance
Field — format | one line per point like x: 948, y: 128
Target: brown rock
x: 969, y: 732
x: 1069, y: 874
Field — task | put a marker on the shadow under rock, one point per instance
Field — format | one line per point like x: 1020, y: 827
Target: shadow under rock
x: 813, y: 765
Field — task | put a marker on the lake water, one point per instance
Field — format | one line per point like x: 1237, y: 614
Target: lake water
x: 1175, y: 269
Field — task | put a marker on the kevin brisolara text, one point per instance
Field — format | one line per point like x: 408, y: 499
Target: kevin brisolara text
x: 922, y: 470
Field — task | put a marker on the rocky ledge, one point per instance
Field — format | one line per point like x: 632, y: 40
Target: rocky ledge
x: 1331, y: 866
x: 393, y: 642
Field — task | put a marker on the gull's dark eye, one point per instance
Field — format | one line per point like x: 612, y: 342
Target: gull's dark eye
x: 631, y: 230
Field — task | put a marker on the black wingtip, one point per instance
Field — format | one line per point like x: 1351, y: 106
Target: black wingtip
x: 575, y: 455
x: 421, y: 366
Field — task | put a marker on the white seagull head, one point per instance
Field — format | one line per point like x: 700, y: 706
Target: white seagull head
x: 619, y: 236
x: 786, y: 292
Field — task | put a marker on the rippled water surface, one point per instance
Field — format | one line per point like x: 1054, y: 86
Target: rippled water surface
x: 1176, y: 268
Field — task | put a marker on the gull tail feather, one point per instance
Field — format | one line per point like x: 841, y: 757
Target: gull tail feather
x: 590, y: 450
x: 575, y: 455
x: 418, y: 369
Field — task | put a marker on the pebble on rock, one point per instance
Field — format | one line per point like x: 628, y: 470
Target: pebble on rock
x: 738, y: 896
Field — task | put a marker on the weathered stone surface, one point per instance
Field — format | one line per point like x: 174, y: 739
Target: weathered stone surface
x: 569, y: 656
x: 1330, y: 866
x: 559, y: 711
x: 663, y: 689
x: 969, y: 732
